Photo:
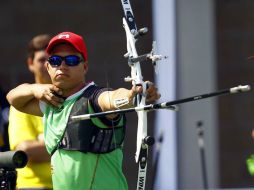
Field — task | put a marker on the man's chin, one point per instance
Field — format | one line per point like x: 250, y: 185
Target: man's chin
x: 59, y: 84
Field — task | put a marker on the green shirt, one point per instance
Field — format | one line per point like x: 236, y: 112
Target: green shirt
x: 76, y: 170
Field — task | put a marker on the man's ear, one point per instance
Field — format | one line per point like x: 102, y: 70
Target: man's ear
x: 47, y: 65
x: 30, y: 64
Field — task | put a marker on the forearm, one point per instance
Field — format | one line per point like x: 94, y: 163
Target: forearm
x: 26, y: 97
x: 35, y: 150
x: 21, y: 95
x: 120, y: 98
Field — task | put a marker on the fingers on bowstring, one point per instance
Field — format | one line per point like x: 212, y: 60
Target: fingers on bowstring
x: 56, y: 90
x: 53, y: 100
x: 53, y: 96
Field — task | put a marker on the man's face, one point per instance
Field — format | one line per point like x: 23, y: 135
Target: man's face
x: 64, y: 76
x: 38, y: 67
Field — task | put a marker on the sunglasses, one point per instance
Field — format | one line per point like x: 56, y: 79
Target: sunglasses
x: 70, y: 60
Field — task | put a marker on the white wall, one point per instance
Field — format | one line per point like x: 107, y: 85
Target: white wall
x: 164, y: 34
x: 196, y: 75
x: 187, y: 72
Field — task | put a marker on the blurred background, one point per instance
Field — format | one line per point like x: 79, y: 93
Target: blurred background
x: 207, y: 43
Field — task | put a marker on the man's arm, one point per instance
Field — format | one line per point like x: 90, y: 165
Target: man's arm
x: 35, y: 149
x: 25, y: 97
x: 123, y: 98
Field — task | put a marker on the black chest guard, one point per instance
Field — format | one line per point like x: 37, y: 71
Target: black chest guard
x: 87, y: 135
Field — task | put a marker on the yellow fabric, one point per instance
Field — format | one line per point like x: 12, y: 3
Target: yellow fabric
x: 24, y: 127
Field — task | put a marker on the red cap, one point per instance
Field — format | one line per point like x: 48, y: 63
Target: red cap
x: 75, y: 40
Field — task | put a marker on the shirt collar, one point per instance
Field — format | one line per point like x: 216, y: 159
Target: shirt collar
x: 80, y: 91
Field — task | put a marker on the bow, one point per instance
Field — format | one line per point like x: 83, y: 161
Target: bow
x: 143, y: 141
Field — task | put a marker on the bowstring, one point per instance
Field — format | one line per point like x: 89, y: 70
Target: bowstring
x: 112, y: 122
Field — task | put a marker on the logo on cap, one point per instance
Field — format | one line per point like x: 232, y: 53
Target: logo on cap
x: 63, y: 36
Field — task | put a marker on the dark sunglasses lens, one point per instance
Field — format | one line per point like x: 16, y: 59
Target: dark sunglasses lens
x: 72, y: 60
x: 55, y: 61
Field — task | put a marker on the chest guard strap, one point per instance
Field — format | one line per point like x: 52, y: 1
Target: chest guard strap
x: 85, y: 136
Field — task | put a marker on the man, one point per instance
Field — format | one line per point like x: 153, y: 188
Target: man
x: 85, y: 155
x: 26, y: 131
x: 4, y: 111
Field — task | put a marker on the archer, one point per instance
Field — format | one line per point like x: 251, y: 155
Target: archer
x: 84, y: 154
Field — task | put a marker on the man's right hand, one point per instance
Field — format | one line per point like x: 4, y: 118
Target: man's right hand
x: 48, y: 93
